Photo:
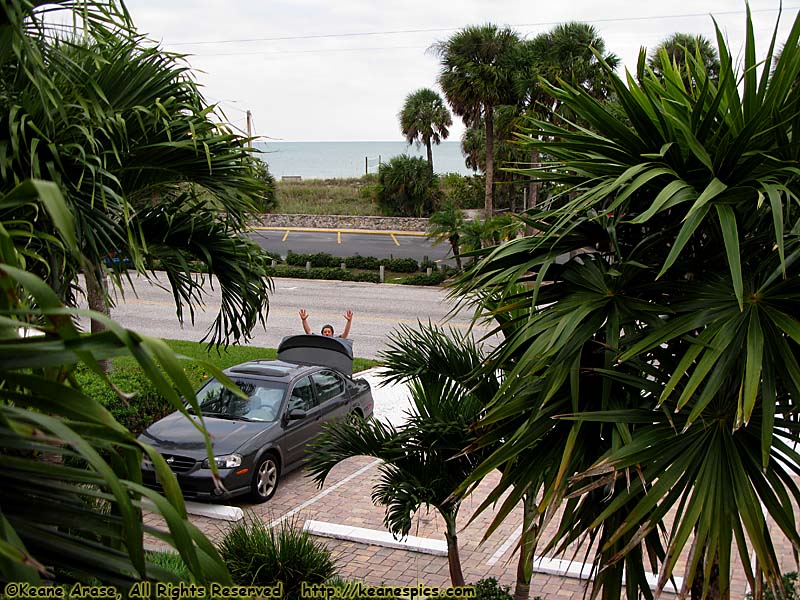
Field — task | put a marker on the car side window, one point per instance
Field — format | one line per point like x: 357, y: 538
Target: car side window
x: 302, y: 395
x: 329, y: 385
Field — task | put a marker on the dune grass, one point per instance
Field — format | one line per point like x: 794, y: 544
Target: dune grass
x: 349, y: 196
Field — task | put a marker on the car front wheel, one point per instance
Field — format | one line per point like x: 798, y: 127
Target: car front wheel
x: 265, y: 478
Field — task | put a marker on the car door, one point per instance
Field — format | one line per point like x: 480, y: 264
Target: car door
x: 299, y: 431
x: 331, y: 395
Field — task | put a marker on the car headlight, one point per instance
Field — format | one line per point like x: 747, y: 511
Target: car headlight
x: 226, y: 461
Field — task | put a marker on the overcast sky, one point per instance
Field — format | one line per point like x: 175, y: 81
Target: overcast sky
x: 342, y: 68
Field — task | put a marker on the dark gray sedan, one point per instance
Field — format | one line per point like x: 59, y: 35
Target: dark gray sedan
x: 257, y: 439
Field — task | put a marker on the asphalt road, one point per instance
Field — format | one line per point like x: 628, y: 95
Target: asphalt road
x: 377, y: 308
x: 379, y: 245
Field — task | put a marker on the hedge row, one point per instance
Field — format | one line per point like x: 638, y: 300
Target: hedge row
x: 434, y: 278
x: 136, y: 414
x: 322, y: 273
x: 369, y: 263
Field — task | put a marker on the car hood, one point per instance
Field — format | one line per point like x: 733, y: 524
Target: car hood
x: 177, y: 434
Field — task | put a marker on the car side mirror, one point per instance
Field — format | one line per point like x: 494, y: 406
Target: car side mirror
x: 296, y: 414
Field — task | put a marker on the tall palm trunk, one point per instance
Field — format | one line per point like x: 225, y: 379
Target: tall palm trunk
x: 488, y: 204
x: 714, y: 593
x: 97, y: 298
x: 453, y: 557
x: 430, y: 154
x: 453, y: 239
x: 527, y: 546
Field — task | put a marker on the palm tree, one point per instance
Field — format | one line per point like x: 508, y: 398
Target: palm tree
x: 146, y: 172
x: 423, y: 464
x: 674, y: 49
x: 566, y: 52
x: 655, y: 378
x: 446, y: 224
x: 70, y: 499
x: 424, y: 120
x: 478, y: 66
x: 77, y: 515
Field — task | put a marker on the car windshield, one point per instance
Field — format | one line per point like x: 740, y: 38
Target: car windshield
x: 262, y: 404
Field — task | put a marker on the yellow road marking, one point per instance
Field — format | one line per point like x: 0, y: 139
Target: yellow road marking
x: 330, y: 230
x: 285, y: 235
x: 338, y: 237
x: 394, y: 239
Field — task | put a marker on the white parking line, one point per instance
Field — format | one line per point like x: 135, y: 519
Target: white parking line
x: 512, y: 539
x: 376, y: 537
x: 222, y: 512
x: 323, y: 493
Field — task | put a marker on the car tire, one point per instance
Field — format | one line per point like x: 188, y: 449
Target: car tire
x: 265, y: 478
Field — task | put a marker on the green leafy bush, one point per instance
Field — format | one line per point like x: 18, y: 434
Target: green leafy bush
x: 136, y: 413
x: 362, y: 262
x: 490, y: 589
x: 427, y: 263
x: 400, y: 265
x: 789, y: 586
x: 434, y: 278
x: 257, y: 554
x: 463, y: 191
x: 320, y: 259
x: 406, y: 187
x: 323, y: 273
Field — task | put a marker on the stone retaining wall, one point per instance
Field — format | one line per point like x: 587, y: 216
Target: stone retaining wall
x: 344, y: 222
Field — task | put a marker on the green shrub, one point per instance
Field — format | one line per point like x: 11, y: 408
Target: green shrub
x: 400, y: 265
x: 490, y: 589
x: 323, y: 259
x: 256, y: 554
x: 362, y: 262
x: 406, y: 187
x: 136, y: 413
x: 323, y: 273
x: 789, y: 585
x: 463, y: 191
x: 434, y: 278
x: 427, y: 263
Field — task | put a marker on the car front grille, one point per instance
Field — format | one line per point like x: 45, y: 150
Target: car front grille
x: 179, y: 464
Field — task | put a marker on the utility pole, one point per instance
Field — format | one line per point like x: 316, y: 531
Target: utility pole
x: 249, y: 129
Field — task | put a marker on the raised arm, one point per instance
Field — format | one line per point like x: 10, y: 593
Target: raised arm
x: 348, y: 317
x: 304, y: 320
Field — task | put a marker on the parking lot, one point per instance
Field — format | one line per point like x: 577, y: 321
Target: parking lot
x: 342, y: 515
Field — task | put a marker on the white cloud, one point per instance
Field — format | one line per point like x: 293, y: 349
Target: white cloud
x: 351, y: 87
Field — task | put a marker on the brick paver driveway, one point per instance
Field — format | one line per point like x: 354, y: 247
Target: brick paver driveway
x: 346, y: 500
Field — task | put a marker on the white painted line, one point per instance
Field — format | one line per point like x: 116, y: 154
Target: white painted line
x: 376, y: 537
x: 512, y: 539
x: 323, y: 493
x: 212, y: 511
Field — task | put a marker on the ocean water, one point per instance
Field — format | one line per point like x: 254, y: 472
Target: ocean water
x: 328, y: 160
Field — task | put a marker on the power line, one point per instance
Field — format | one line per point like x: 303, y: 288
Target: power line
x: 316, y: 51
x: 441, y: 29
